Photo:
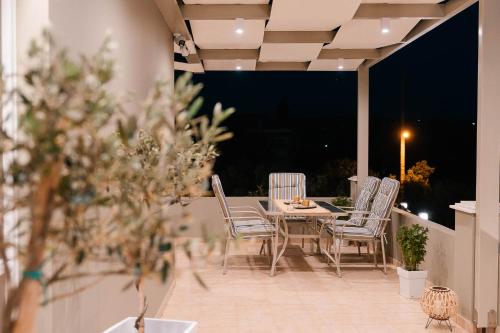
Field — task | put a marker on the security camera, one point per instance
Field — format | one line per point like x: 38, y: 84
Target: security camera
x: 181, y: 42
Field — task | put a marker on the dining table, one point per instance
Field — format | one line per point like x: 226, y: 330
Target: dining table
x: 282, y: 212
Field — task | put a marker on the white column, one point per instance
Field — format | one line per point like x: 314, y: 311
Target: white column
x: 363, y: 126
x: 488, y: 165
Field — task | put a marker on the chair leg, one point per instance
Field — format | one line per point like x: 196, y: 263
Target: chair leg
x: 383, y: 255
x: 226, y: 253
x: 269, y: 247
x: 303, y: 239
x: 274, y: 245
x: 262, y: 247
x: 328, y: 249
x: 337, y: 256
x: 375, y: 253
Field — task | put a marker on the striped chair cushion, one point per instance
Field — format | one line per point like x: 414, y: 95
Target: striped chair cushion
x: 264, y: 229
x: 368, y: 190
x: 249, y: 222
x: 221, y: 197
x: 287, y: 185
x: 382, y: 205
x: 351, y: 231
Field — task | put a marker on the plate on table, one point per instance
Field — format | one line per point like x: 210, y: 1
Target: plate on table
x: 303, y: 207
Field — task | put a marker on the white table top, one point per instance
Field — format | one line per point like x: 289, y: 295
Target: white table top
x: 278, y: 207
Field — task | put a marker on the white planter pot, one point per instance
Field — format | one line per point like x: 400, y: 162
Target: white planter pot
x: 153, y: 325
x: 411, y: 283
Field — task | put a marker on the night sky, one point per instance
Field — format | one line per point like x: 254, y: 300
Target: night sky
x: 302, y: 121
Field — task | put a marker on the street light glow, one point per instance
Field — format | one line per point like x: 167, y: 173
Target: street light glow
x: 406, y: 134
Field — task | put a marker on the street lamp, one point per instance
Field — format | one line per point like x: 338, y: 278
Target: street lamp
x: 404, y: 135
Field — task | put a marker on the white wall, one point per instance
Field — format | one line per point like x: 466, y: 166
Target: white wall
x: 31, y: 17
x: 145, y: 46
x: 144, y: 54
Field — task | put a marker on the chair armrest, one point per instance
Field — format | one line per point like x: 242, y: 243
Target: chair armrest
x: 256, y: 217
x: 247, y: 215
x: 245, y: 212
x: 243, y: 207
x: 375, y: 218
x: 364, y: 212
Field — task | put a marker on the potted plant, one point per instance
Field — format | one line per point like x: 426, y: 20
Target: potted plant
x: 412, y: 241
x: 342, y: 201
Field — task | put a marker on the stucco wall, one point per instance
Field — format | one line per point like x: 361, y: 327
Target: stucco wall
x: 440, y: 258
x: 145, y: 45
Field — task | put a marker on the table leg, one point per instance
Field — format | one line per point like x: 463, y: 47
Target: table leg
x: 277, y: 256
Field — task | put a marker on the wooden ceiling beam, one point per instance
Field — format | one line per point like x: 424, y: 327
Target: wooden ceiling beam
x: 282, y: 66
x: 299, y: 36
x: 451, y: 8
x: 349, y: 54
x: 225, y: 12
x: 377, y: 11
x: 228, y: 54
x: 172, y: 16
x: 193, y: 58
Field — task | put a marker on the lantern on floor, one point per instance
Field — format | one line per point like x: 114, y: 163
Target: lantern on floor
x: 439, y: 303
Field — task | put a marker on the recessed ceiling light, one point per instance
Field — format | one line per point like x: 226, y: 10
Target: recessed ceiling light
x: 239, y: 26
x: 385, y: 25
x: 340, y: 63
x: 238, y: 68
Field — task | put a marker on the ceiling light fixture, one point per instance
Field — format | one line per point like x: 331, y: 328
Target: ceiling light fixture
x: 239, y: 26
x: 238, y: 68
x: 341, y: 63
x: 385, y: 25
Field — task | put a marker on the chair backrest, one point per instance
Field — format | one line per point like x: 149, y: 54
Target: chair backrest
x: 364, y: 200
x: 285, y: 185
x: 382, y: 205
x: 221, y: 197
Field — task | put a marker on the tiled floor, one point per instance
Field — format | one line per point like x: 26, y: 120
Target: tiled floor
x: 304, y: 296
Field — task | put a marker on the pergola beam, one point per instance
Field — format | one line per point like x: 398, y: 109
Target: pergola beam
x: 299, y: 36
x: 349, y: 54
x: 174, y: 19
x: 421, y: 28
x: 451, y: 8
x: 262, y: 11
x: 282, y: 66
x: 377, y: 11
x: 228, y: 54
x: 193, y: 58
x: 225, y: 12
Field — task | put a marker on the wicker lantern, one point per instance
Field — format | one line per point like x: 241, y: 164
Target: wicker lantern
x: 439, y: 303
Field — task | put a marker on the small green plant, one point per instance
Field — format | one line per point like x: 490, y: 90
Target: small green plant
x: 342, y: 202
x: 412, y: 240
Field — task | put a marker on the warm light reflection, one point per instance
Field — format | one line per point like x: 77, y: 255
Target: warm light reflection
x: 405, y: 134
